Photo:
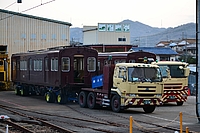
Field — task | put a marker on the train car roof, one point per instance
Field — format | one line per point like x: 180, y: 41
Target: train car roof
x: 114, y: 54
x: 49, y: 50
x: 120, y: 53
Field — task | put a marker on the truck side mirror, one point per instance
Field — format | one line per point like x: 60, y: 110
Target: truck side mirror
x: 124, y: 75
x: 186, y: 72
x: 168, y: 73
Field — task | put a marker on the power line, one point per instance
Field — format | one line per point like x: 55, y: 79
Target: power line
x: 27, y: 9
x: 10, y: 5
x: 38, y: 5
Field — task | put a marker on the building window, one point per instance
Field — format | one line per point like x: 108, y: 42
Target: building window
x: 121, y: 39
x: 44, y: 36
x: 33, y: 36
x: 53, y: 36
x: 23, y: 36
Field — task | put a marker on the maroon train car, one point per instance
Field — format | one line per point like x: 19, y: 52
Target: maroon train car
x: 59, y: 74
x: 113, y: 58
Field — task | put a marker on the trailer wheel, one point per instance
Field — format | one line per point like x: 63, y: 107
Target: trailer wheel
x: 61, y: 98
x: 24, y: 91
x: 17, y: 90
x: 91, y: 101
x: 82, y: 99
x: 116, y: 104
x: 179, y: 103
x: 149, y: 109
x: 49, y: 97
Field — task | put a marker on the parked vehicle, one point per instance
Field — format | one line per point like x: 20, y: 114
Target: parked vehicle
x: 70, y: 74
x: 4, y: 69
x: 123, y: 86
x: 175, y: 76
x: 59, y: 74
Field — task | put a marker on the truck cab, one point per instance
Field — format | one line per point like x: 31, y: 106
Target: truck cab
x: 175, y: 76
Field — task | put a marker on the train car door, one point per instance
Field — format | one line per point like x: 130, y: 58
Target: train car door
x: 79, y: 69
x: 14, y: 70
x: 46, y: 69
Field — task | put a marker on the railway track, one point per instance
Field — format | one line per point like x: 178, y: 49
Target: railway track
x: 45, y: 125
x: 26, y: 113
x: 70, y: 116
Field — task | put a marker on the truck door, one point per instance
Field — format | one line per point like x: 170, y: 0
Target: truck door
x: 120, y: 78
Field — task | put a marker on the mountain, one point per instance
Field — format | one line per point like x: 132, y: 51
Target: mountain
x: 144, y: 35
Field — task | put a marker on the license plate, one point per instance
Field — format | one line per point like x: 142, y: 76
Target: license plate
x: 146, y: 101
x: 171, y: 97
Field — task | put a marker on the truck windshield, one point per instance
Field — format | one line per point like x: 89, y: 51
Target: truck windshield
x: 144, y: 74
x: 175, y: 71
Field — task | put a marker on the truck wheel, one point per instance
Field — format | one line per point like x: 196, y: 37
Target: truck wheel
x: 179, y: 103
x: 62, y: 99
x: 91, y: 101
x: 49, y: 97
x: 149, y: 109
x: 24, y: 91
x: 116, y: 104
x: 82, y: 99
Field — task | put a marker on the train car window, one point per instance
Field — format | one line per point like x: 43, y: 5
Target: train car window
x: 65, y: 64
x: 18, y: 63
x: 119, y: 61
x: 30, y: 64
x: 106, y: 62
x: 46, y: 64
x: 14, y: 65
x: 131, y: 61
x: 1, y: 63
x: 23, y: 65
x: 99, y: 65
x: 37, y: 65
x: 91, y: 61
x: 40, y: 64
x: 54, y: 64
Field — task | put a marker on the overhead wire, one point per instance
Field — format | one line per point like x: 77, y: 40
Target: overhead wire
x: 10, y: 5
x: 27, y: 9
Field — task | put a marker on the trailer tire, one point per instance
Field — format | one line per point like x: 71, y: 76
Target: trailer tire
x: 149, y: 109
x: 17, y: 90
x: 82, y: 99
x: 62, y: 99
x: 24, y: 91
x: 50, y: 97
x: 91, y: 100
x: 179, y: 103
x: 116, y: 104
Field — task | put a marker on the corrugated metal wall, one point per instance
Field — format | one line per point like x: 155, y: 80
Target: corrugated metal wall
x: 22, y: 34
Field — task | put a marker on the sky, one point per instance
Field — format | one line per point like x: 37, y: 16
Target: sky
x: 155, y: 13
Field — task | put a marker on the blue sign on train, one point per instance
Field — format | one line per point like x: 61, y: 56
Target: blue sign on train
x: 97, y: 81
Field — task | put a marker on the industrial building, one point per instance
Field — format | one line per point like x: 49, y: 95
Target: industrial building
x: 107, y: 37
x: 21, y: 32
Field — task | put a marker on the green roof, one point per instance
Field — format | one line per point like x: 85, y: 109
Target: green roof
x: 33, y: 17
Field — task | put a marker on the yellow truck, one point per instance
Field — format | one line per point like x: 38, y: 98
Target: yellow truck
x: 123, y: 86
x: 175, y: 76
